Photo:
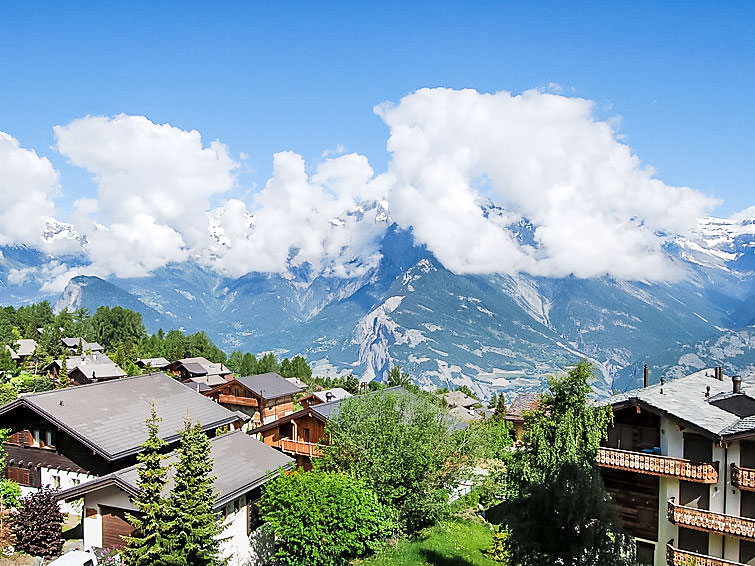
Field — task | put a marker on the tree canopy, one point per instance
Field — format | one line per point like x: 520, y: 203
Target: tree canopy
x: 554, y: 475
x: 400, y: 445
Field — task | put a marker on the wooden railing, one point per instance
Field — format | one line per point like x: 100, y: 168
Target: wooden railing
x: 299, y: 447
x: 710, y: 521
x: 743, y: 478
x: 656, y: 465
x: 235, y: 400
x: 678, y: 557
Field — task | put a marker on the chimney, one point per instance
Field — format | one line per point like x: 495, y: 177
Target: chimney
x: 736, y: 382
x: 719, y: 373
x: 645, y: 376
x: 707, y: 391
x: 328, y: 396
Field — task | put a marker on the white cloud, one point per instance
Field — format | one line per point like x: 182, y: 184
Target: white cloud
x: 154, y: 187
x: 595, y: 208
x: 28, y: 184
x: 328, y: 220
x: 545, y: 158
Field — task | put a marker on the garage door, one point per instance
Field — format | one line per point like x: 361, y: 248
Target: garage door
x: 114, y: 526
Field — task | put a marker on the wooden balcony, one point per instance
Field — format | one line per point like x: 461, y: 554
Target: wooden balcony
x: 299, y: 447
x: 710, y: 521
x: 234, y: 400
x: 743, y: 478
x: 678, y: 557
x: 656, y: 465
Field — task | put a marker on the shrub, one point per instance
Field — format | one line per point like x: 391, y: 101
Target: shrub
x: 323, y: 518
x: 38, y: 527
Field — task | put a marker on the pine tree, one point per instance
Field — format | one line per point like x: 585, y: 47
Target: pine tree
x: 63, y: 380
x: 193, y: 526
x: 148, y: 544
x: 500, y: 408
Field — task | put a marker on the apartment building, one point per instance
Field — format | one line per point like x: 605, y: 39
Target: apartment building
x: 679, y: 463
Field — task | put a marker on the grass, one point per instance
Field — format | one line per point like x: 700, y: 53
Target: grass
x: 457, y: 542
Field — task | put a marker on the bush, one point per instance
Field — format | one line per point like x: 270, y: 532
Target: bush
x: 10, y: 493
x: 323, y: 518
x: 38, y: 527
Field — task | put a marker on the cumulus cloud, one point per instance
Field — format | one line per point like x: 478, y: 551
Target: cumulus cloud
x: 455, y: 155
x: 596, y: 209
x: 28, y: 184
x: 328, y: 220
x: 154, y: 183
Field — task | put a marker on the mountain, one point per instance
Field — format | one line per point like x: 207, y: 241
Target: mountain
x: 490, y: 332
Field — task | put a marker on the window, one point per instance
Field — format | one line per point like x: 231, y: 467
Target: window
x: 645, y: 553
x: 56, y: 482
x: 237, y: 506
x: 18, y: 475
x: 49, y: 439
x: 306, y: 435
x: 37, y: 438
x: 253, y: 517
x: 76, y: 481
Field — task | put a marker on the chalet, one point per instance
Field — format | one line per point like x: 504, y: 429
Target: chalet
x: 79, y: 345
x: 320, y: 397
x: 266, y: 397
x: 679, y: 463
x: 456, y: 399
x: 241, y: 466
x: 64, y: 437
x: 199, y: 371
x: 22, y: 350
x: 152, y: 363
x: 88, y: 368
x: 522, y: 404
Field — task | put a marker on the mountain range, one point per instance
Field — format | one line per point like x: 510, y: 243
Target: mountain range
x: 490, y: 332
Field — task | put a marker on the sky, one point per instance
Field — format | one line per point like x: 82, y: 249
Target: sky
x: 603, y: 106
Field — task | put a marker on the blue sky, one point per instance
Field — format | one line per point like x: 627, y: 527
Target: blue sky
x: 266, y: 77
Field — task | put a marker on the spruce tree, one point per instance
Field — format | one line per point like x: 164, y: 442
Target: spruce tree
x: 63, y: 380
x: 193, y: 527
x: 147, y: 543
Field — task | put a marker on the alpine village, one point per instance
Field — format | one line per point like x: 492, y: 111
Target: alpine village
x: 160, y: 449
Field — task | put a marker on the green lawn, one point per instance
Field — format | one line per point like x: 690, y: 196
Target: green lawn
x: 458, y: 542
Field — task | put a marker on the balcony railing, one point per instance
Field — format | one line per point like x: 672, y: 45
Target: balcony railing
x: 678, y: 557
x: 656, y: 465
x: 235, y: 400
x: 710, y: 521
x: 299, y: 447
x: 743, y: 478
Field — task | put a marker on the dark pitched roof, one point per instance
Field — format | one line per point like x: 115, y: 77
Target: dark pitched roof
x: 684, y: 400
x: 200, y: 366
x: 522, y: 403
x: 74, y: 343
x: 268, y: 385
x: 109, y: 416
x: 157, y: 363
x: 241, y: 463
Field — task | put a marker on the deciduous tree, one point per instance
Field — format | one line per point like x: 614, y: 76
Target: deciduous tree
x: 323, y: 518
x: 400, y: 444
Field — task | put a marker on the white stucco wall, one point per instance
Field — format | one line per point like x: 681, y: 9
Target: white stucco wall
x: 242, y: 549
x: 66, y: 479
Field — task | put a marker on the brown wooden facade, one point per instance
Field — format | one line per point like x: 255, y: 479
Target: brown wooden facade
x: 300, y: 434
x: 235, y: 396
x: 36, y: 443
